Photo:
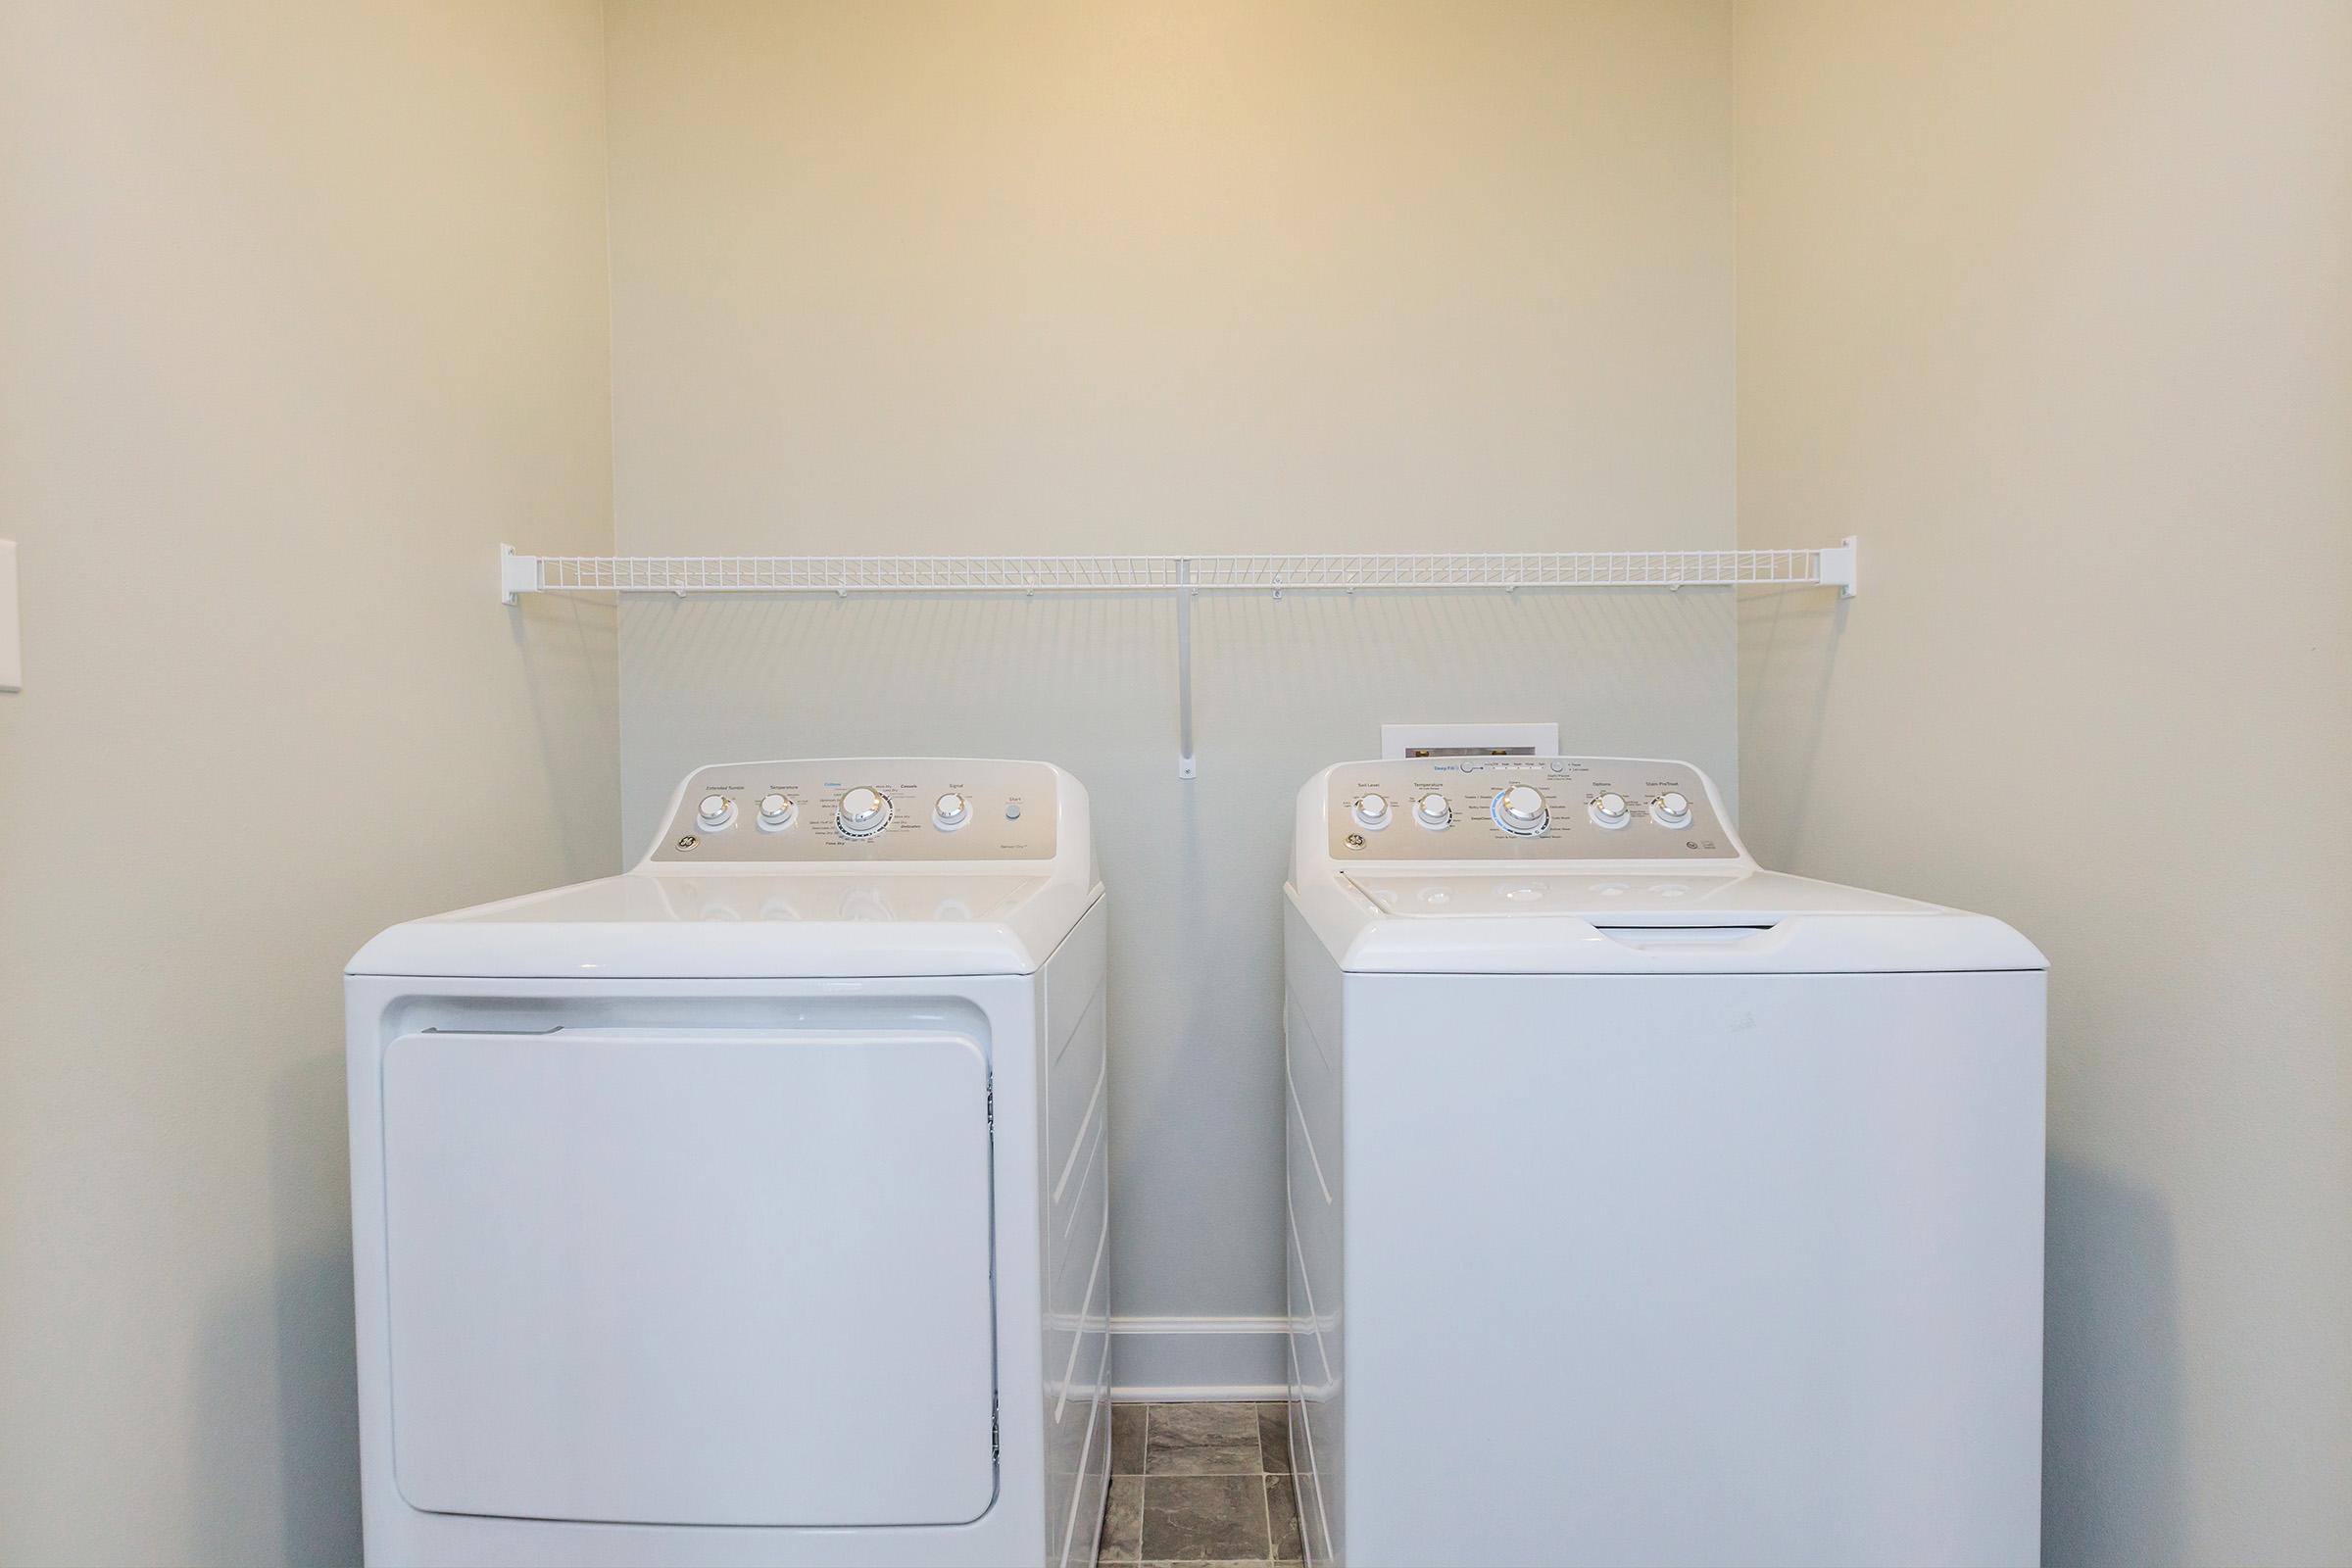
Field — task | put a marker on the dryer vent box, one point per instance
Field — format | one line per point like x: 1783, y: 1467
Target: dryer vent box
x: 1399, y: 742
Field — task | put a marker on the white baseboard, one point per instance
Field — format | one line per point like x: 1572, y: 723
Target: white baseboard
x: 1171, y: 1358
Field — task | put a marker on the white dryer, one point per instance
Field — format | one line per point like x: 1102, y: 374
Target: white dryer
x: 1646, y: 1206
x: 751, y: 1207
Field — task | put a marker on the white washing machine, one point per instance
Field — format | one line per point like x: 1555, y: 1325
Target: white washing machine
x: 1648, y: 1207
x: 752, y: 1207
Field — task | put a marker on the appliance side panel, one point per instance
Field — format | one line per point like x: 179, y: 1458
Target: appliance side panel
x: 1073, y: 1213
x: 1082, y: 1531
x: 1724, y: 1267
x: 381, y: 1511
x: 1316, y: 1004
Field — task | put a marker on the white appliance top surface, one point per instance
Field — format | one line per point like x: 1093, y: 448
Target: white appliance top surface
x: 916, y: 898
x: 792, y: 870
x: 646, y: 925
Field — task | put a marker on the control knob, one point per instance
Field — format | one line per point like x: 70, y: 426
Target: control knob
x: 715, y: 813
x: 775, y: 811
x: 1671, y: 810
x: 951, y: 811
x: 1610, y: 810
x: 862, y: 814
x: 1373, y: 811
x: 1521, y: 810
x: 1434, y: 810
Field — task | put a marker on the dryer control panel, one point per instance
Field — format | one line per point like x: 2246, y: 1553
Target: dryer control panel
x: 861, y: 810
x: 1521, y: 808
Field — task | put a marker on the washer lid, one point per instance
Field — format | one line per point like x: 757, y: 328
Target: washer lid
x: 1659, y: 920
x: 725, y: 926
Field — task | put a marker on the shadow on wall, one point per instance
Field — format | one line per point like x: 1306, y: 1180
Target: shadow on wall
x: 2114, y: 1476
x: 568, y: 651
x: 276, y: 1364
x: 1788, y: 665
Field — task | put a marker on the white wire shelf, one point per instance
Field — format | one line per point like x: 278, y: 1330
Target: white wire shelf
x: 1182, y: 577
x: 1830, y: 567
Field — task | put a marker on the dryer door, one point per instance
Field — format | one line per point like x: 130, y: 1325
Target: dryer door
x: 713, y: 1277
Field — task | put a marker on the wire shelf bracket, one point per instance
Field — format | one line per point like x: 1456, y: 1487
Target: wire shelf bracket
x: 1182, y: 576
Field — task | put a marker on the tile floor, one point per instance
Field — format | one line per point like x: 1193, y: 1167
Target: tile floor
x: 1200, y: 1485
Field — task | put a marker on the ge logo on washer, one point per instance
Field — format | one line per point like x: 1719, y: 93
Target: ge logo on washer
x: 688, y: 842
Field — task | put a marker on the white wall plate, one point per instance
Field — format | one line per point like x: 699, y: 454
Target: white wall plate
x: 12, y: 639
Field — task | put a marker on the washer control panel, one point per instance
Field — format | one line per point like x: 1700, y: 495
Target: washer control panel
x: 1524, y: 808
x: 863, y: 810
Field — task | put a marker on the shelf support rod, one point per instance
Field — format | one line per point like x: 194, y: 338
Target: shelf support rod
x: 1186, y: 767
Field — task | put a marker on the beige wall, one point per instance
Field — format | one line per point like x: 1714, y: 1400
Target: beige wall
x: 302, y: 309
x: 2053, y: 305
x: 1042, y: 277
x: 1172, y: 277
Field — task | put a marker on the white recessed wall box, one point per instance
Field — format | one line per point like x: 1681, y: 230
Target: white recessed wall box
x: 1401, y: 742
